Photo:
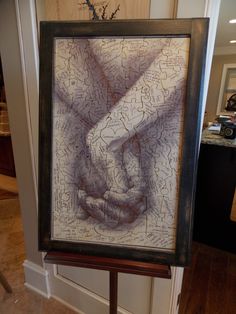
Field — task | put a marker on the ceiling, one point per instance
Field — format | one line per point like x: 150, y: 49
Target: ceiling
x: 225, y: 30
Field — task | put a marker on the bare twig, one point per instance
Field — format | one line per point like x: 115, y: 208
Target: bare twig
x: 104, y: 8
x: 103, y: 16
x: 113, y: 15
x: 92, y: 8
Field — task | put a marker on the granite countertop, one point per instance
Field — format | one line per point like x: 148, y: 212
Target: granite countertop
x: 212, y: 138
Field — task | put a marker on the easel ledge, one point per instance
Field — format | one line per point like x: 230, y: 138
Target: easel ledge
x: 109, y: 264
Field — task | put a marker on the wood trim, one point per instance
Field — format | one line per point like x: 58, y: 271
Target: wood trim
x: 177, y: 277
x: 28, y: 45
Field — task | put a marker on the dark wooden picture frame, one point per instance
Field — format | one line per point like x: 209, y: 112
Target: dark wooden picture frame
x: 193, y: 30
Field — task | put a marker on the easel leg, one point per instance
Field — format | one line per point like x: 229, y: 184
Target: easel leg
x: 113, y: 291
x: 4, y: 283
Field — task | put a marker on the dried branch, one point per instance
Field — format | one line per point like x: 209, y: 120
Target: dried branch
x: 103, y: 16
x: 104, y: 8
x: 113, y: 15
x: 92, y: 8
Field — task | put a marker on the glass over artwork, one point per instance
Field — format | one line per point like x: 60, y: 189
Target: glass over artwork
x: 118, y: 106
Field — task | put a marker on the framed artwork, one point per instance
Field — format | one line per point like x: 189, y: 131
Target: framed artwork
x: 120, y: 116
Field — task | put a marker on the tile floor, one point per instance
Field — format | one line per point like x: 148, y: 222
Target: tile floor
x: 12, y: 256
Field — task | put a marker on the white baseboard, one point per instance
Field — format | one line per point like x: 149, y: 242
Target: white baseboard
x: 36, y: 278
x: 67, y: 304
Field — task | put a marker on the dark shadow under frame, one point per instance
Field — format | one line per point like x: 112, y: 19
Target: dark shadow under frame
x: 196, y: 29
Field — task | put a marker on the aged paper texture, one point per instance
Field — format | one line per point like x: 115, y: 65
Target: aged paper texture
x: 118, y: 105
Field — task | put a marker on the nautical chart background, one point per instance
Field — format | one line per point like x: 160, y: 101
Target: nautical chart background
x: 117, y: 127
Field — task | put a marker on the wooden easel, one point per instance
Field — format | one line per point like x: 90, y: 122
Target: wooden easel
x: 5, y: 283
x: 114, y: 266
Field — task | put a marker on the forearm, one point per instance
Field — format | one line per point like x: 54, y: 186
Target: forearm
x: 133, y: 113
x: 79, y: 80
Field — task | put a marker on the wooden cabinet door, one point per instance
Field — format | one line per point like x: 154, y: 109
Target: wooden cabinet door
x: 7, y: 166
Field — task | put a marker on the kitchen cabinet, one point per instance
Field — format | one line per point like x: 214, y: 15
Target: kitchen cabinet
x: 215, y: 190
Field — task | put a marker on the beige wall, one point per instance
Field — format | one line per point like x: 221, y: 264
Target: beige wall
x: 214, y: 85
x: 73, y: 10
